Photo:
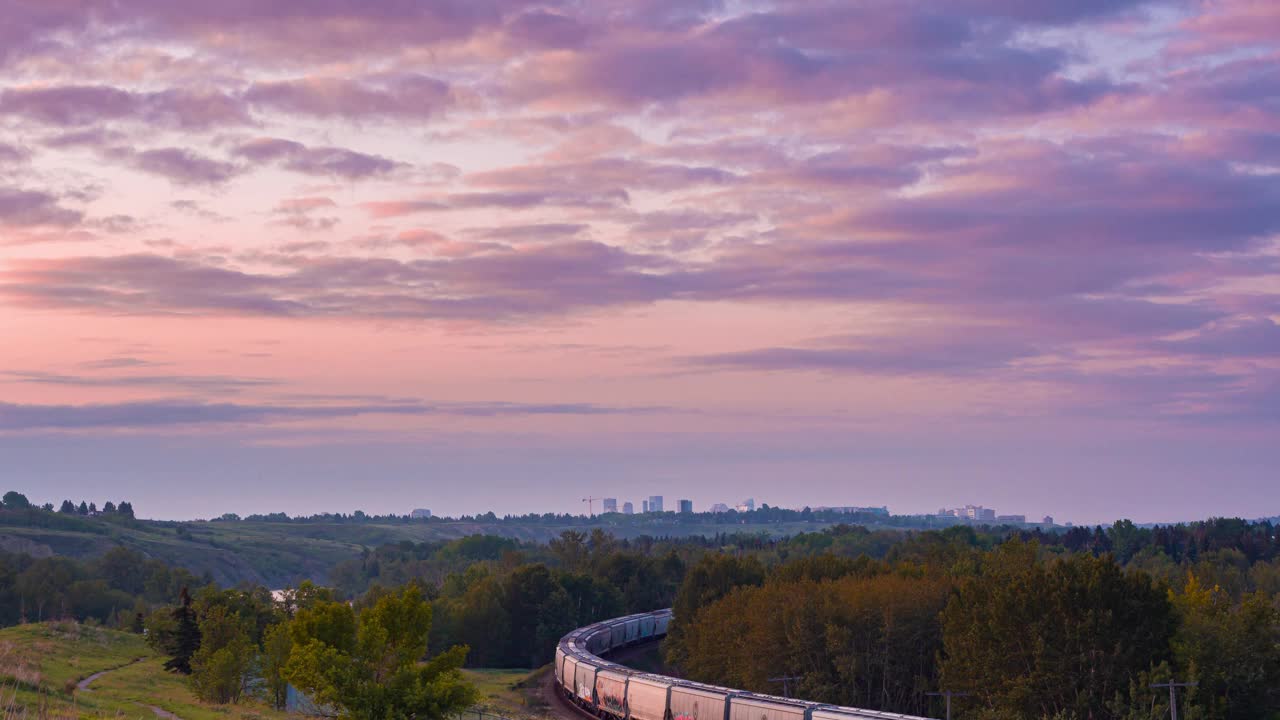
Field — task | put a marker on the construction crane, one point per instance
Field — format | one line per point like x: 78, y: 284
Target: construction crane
x: 591, y: 504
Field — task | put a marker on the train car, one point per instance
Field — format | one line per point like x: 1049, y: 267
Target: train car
x: 568, y: 674
x: 647, y: 625
x: 833, y: 712
x: 694, y: 701
x: 662, y: 621
x: 630, y: 630
x: 559, y: 666
x: 611, y: 691
x: 598, y: 642
x: 750, y: 706
x: 647, y: 697
x: 584, y: 682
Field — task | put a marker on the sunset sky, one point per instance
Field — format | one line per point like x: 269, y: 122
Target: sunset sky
x: 470, y: 255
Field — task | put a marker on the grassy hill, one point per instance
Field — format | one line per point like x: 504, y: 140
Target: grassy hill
x: 68, y: 671
x: 280, y: 554
x: 63, y: 671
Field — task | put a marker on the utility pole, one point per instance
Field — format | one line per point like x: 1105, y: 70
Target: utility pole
x: 948, y: 694
x: 1173, y: 695
x: 786, y: 683
x: 591, y: 504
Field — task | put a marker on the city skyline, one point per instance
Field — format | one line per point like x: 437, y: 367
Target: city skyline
x: 306, y: 256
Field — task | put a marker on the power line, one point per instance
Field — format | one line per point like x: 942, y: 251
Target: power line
x: 1173, y: 695
x: 948, y: 694
x: 786, y: 683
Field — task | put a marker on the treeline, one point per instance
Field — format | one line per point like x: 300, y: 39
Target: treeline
x: 510, y: 602
x: 114, y: 589
x: 1029, y: 629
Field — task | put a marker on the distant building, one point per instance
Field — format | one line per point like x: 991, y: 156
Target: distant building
x: 747, y: 505
x: 1012, y: 519
x: 628, y: 509
x: 719, y: 508
x: 1048, y: 520
x: 610, y: 505
x: 686, y: 506
x: 655, y: 503
x: 644, y: 506
x: 420, y: 513
x: 851, y: 509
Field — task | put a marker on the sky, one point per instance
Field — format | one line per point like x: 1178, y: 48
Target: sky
x: 472, y: 255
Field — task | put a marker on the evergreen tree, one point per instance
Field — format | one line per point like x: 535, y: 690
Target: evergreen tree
x: 125, y: 509
x: 84, y: 508
x: 67, y: 508
x: 185, y: 640
x: 110, y: 507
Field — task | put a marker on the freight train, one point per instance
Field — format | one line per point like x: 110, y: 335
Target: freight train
x: 614, y: 692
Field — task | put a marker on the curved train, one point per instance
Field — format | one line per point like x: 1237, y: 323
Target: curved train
x: 614, y: 692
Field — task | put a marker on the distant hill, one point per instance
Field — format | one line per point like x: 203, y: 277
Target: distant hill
x: 281, y: 553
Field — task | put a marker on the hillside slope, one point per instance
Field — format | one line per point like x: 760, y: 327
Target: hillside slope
x: 281, y: 554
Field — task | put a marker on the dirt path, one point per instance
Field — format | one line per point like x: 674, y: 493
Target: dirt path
x: 84, y: 684
x: 162, y: 713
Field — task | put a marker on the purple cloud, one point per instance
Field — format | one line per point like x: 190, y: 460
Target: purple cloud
x: 170, y: 413
x: 330, y: 161
x: 79, y: 105
x: 26, y: 208
x: 183, y: 167
x: 398, y: 96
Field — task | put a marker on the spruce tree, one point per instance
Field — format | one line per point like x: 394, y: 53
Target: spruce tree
x: 186, y: 637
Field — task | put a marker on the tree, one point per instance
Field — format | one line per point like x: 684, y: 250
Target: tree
x: 1234, y: 648
x: 68, y: 508
x: 714, y: 577
x: 93, y: 508
x: 277, y: 644
x: 125, y: 509
x: 14, y: 500
x: 221, y: 667
x: 84, y: 508
x: 109, y: 508
x: 369, y: 667
x: 185, y: 638
x: 1031, y: 639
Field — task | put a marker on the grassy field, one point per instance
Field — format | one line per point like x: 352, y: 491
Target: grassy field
x: 509, y: 693
x: 42, y: 664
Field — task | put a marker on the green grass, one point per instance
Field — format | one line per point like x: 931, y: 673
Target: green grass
x: 509, y: 693
x: 41, y: 664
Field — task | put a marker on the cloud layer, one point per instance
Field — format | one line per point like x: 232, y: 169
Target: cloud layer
x: 863, y: 213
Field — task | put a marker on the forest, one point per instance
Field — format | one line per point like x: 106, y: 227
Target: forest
x: 1030, y: 624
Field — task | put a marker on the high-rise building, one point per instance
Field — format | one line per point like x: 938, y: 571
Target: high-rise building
x: 628, y: 509
x: 644, y: 506
x: 420, y: 513
x: 686, y: 506
x: 719, y: 508
x: 655, y: 503
x: 1048, y: 520
x: 610, y: 505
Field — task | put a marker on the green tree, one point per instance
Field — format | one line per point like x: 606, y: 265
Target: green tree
x: 184, y: 640
x: 221, y: 668
x: 1034, y: 639
x: 277, y: 644
x: 14, y: 500
x: 1233, y: 647
x: 370, y: 666
x: 713, y: 577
